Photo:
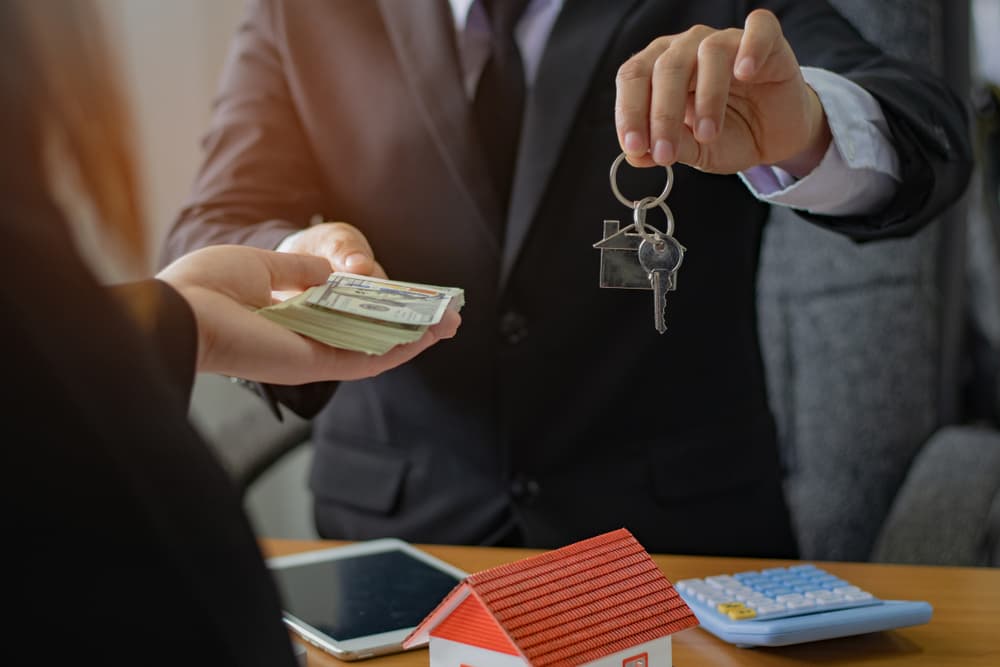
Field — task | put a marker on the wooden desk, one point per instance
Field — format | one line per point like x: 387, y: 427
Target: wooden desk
x: 964, y: 630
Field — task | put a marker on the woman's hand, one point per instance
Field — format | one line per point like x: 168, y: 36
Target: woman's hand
x: 225, y: 284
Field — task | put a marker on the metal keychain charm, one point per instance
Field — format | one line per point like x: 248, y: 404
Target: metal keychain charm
x: 640, y: 256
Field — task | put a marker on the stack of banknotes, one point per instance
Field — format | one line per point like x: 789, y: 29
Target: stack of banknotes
x: 363, y: 313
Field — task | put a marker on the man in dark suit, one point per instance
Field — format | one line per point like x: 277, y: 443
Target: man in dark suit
x: 560, y: 412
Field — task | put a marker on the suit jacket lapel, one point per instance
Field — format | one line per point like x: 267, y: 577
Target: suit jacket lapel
x: 579, y: 38
x: 417, y: 31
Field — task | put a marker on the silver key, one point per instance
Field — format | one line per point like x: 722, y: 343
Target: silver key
x: 660, y: 258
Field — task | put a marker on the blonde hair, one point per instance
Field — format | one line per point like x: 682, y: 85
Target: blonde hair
x: 78, y: 100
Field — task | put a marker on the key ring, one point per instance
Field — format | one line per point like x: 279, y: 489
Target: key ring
x: 641, y: 226
x: 653, y: 201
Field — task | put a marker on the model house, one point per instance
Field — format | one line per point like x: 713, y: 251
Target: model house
x: 600, y: 602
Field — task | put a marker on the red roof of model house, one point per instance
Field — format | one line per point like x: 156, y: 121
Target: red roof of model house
x: 564, y: 607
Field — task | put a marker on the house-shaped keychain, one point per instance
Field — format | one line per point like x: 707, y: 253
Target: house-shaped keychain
x: 620, y: 266
x: 601, y: 602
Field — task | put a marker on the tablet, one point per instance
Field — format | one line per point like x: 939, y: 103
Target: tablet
x: 361, y: 600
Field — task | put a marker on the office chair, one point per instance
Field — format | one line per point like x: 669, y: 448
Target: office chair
x: 244, y: 434
x: 863, y: 348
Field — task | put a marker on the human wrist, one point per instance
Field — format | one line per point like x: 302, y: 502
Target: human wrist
x: 195, y: 297
x: 820, y: 136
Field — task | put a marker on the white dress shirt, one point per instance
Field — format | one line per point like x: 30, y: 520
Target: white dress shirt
x: 857, y: 175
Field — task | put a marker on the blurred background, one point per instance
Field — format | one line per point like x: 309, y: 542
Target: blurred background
x: 171, y: 53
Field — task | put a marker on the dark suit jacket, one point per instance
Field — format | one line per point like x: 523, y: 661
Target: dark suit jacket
x: 557, y: 405
x: 124, y: 540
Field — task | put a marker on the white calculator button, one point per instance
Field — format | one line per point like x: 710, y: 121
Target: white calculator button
x: 860, y: 595
x: 847, y: 589
x: 801, y: 604
x: 770, y: 609
x: 791, y: 597
x: 827, y: 603
x: 722, y: 581
x: 820, y: 595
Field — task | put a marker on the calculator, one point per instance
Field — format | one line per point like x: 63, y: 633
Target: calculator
x: 803, y: 603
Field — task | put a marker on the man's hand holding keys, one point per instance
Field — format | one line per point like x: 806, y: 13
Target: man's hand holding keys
x: 721, y: 101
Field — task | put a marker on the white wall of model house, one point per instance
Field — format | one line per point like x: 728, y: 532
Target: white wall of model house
x: 447, y: 653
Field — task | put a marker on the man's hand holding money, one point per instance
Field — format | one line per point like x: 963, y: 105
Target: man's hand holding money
x: 341, y: 243
x: 359, y: 308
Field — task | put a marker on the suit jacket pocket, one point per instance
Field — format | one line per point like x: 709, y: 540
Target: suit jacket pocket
x: 358, y: 472
x: 714, y: 459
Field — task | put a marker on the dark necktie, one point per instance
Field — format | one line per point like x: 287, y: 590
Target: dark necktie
x: 499, y: 102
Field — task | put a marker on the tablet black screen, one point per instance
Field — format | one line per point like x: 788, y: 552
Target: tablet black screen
x: 363, y: 595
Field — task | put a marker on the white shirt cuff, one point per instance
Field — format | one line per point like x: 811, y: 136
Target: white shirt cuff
x: 287, y: 241
x: 860, y: 171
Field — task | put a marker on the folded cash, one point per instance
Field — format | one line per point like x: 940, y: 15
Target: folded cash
x: 362, y: 313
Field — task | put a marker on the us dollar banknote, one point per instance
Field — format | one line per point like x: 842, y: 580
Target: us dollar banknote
x: 363, y: 313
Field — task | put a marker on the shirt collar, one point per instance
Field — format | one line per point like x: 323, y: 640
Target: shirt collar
x: 460, y: 11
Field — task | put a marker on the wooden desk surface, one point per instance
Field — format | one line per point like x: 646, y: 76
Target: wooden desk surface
x: 964, y: 630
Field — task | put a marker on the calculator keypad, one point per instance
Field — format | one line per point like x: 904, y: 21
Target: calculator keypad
x: 774, y: 593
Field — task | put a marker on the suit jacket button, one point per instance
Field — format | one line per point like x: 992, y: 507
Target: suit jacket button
x: 513, y: 327
x: 524, y: 489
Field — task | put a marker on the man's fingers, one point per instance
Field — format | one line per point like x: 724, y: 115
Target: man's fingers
x: 674, y: 76
x: 342, y: 244
x: 348, y: 249
x: 673, y: 96
x: 632, y: 107
x: 633, y: 85
x: 761, y: 36
x: 716, y: 54
x: 354, y: 261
